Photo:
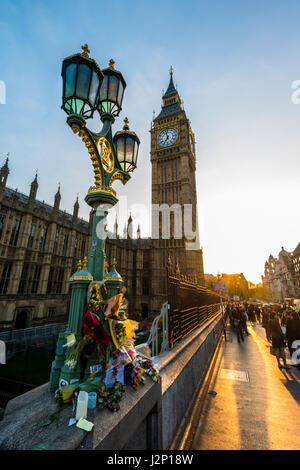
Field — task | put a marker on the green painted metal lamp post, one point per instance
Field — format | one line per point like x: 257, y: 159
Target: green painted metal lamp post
x: 88, y: 89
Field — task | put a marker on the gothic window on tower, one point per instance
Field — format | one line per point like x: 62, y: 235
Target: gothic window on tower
x: 60, y: 277
x: 82, y: 248
x: 5, y: 276
x: 146, y: 259
x: 75, y: 248
x: 55, y: 243
x: 51, y: 312
x: 145, y: 286
x: 15, y: 232
x: 55, y: 280
x: 36, y: 279
x: 50, y: 281
x: 31, y: 236
x: 65, y: 245
x: 42, y: 239
x: 23, y: 281
x: 2, y: 223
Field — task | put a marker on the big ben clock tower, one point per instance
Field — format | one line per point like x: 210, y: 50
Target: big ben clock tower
x: 173, y: 161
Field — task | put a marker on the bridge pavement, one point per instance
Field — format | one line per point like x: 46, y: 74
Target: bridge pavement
x: 251, y: 404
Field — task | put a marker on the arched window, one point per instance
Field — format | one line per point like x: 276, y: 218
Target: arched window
x: 21, y: 320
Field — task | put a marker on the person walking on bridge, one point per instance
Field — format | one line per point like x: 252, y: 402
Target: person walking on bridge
x: 278, y: 343
x: 245, y: 319
x: 237, y: 322
x: 265, y: 323
x: 257, y: 313
x: 292, y: 329
x: 251, y: 313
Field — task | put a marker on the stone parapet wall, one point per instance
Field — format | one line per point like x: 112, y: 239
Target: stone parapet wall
x: 181, y: 370
x: 148, y: 418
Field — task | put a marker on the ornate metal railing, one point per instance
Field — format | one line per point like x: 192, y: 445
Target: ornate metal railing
x: 158, y: 339
x: 190, y: 304
x: 183, y: 322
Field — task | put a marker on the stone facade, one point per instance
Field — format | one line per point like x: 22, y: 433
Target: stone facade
x: 39, y: 246
x: 282, y: 275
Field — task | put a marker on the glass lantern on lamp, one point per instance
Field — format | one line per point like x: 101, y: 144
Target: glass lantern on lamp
x: 82, y: 79
x: 111, y: 91
x: 127, y: 146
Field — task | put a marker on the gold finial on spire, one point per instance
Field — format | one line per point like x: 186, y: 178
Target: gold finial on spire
x: 85, y: 262
x: 79, y: 265
x: 126, y: 126
x: 111, y: 64
x: 86, y: 50
x: 114, y: 263
x: 105, y: 266
x: 177, y: 268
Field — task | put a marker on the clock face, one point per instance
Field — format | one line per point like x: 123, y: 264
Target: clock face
x: 167, y: 137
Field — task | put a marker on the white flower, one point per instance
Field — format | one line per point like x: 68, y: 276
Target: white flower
x: 71, y: 363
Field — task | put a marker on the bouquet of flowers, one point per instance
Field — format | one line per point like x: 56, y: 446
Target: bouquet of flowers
x: 111, y: 396
x: 148, y: 367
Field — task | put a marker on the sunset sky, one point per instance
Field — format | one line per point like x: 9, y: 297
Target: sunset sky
x: 234, y: 63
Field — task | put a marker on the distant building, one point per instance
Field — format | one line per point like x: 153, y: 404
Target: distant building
x: 282, y: 275
x: 236, y: 285
x: 209, y: 280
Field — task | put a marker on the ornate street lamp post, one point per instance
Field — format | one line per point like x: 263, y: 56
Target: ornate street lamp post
x: 87, y: 90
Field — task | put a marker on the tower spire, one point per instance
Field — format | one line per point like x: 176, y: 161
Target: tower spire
x: 171, y: 102
x: 33, y: 188
x: 4, y: 171
x: 57, y: 199
x: 129, y: 227
x: 171, y: 88
x: 116, y: 228
x: 75, y: 210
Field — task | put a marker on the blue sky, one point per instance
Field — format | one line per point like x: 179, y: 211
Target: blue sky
x: 234, y: 62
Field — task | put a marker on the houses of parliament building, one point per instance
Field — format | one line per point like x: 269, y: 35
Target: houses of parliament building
x: 40, y: 244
